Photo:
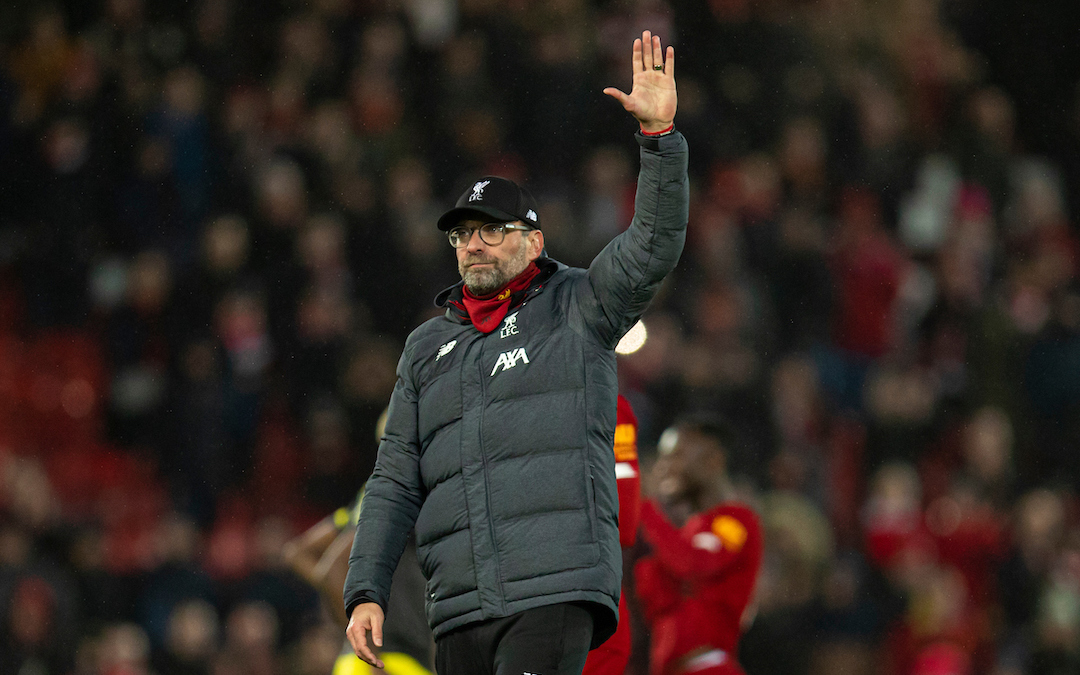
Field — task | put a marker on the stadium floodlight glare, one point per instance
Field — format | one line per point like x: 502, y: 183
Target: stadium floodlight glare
x: 633, y: 340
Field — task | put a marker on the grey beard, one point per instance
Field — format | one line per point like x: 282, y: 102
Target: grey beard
x: 484, y: 282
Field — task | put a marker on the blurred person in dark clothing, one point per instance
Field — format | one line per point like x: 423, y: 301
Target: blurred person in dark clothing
x: 366, y: 382
x: 697, y: 585
x: 331, y: 465
x: 320, y: 556
x: 323, y: 322
x: 224, y: 264
x: 37, y: 624
x: 147, y: 201
x: 176, y: 578
x: 270, y: 581
x: 251, y: 640
x: 241, y: 332
x: 106, y: 596
x: 142, y: 338
x: 1037, y: 534
x: 197, y: 459
x: 38, y: 64
x: 1057, y: 626
x: 69, y: 200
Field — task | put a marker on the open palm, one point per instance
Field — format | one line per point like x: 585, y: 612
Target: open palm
x: 653, y: 99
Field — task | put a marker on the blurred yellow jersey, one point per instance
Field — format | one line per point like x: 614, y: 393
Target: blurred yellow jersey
x: 396, y: 664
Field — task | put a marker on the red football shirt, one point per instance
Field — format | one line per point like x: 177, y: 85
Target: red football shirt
x: 696, y: 586
x: 611, y: 657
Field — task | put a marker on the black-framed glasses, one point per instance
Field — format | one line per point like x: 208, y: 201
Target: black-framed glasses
x: 491, y: 234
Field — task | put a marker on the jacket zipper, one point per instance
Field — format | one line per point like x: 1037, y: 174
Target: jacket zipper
x: 487, y: 491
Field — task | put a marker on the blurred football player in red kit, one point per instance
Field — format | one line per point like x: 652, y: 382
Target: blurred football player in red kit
x: 697, y: 584
x: 611, y: 657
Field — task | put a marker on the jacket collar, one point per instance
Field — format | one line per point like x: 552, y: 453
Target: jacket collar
x: 547, y: 266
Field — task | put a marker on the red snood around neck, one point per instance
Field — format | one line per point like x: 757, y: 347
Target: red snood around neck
x: 488, y: 312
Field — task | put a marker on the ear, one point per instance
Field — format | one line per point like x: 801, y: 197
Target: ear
x: 535, y: 244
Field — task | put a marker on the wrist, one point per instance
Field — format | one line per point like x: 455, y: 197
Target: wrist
x: 660, y: 129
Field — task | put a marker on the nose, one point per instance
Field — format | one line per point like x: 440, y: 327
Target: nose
x: 476, y: 244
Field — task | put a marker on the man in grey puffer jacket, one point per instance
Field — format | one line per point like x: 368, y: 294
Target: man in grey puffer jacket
x: 498, y: 442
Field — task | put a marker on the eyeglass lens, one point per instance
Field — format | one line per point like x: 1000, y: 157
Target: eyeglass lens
x: 491, y: 234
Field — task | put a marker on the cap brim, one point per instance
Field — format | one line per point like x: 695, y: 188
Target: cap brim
x: 482, y: 213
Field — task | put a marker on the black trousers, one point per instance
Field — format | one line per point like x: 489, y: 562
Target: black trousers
x: 550, y: 640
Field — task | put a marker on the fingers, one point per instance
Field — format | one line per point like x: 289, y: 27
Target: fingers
x: 367, y: 656
x: 650, y: 60
x: 647, y: 50
x: 363, y: 651
x: 619, y: 96
x: 357, y: 634
x: 376, y: 631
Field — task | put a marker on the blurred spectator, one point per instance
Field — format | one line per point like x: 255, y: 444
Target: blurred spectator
x: 330, y: 462
x: 191, y: 640
x: 798, y: 550
x: 867, y: 267
x: 317, y: 650
x: 1058, y: 621
x: 896, y: 537
x: 251, y: 635
x: 176, y: 577
x: 106, y: 596
x: 31, y: 618
x: 1038, y: 530
x: 271, y: 582
x: 124, y: 650
x: 143, y: 335
x: 241, y: 332
x: 39, y: 63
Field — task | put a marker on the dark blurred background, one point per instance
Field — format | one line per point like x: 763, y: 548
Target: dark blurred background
x: 217, y: 225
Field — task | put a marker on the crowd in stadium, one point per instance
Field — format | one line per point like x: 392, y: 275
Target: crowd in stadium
x: 217, y: 225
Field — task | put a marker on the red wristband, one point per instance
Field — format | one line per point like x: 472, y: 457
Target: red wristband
x: 658, y: 133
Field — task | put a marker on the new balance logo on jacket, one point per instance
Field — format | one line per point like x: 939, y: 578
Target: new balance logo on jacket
x: 508, y: 360
x: 446, y: 349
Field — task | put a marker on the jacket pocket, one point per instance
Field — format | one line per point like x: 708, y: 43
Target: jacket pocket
x: 590, y: 501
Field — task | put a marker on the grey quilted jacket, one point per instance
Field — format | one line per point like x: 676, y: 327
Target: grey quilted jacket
x: 498, y: 446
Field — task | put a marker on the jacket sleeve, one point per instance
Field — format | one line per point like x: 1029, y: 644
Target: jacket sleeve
x: 392, y: 499
x: 625, y: 276
x: 682, y: 559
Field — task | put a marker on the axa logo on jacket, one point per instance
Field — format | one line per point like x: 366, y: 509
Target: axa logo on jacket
x: 508, y: 360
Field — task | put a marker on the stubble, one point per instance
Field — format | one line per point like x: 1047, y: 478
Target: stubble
x: 487, y: 280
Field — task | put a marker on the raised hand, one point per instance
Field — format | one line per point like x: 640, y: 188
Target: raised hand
x: 653, y: 99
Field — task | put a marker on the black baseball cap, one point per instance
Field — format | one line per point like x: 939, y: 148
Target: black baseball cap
x: 493, y: 199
